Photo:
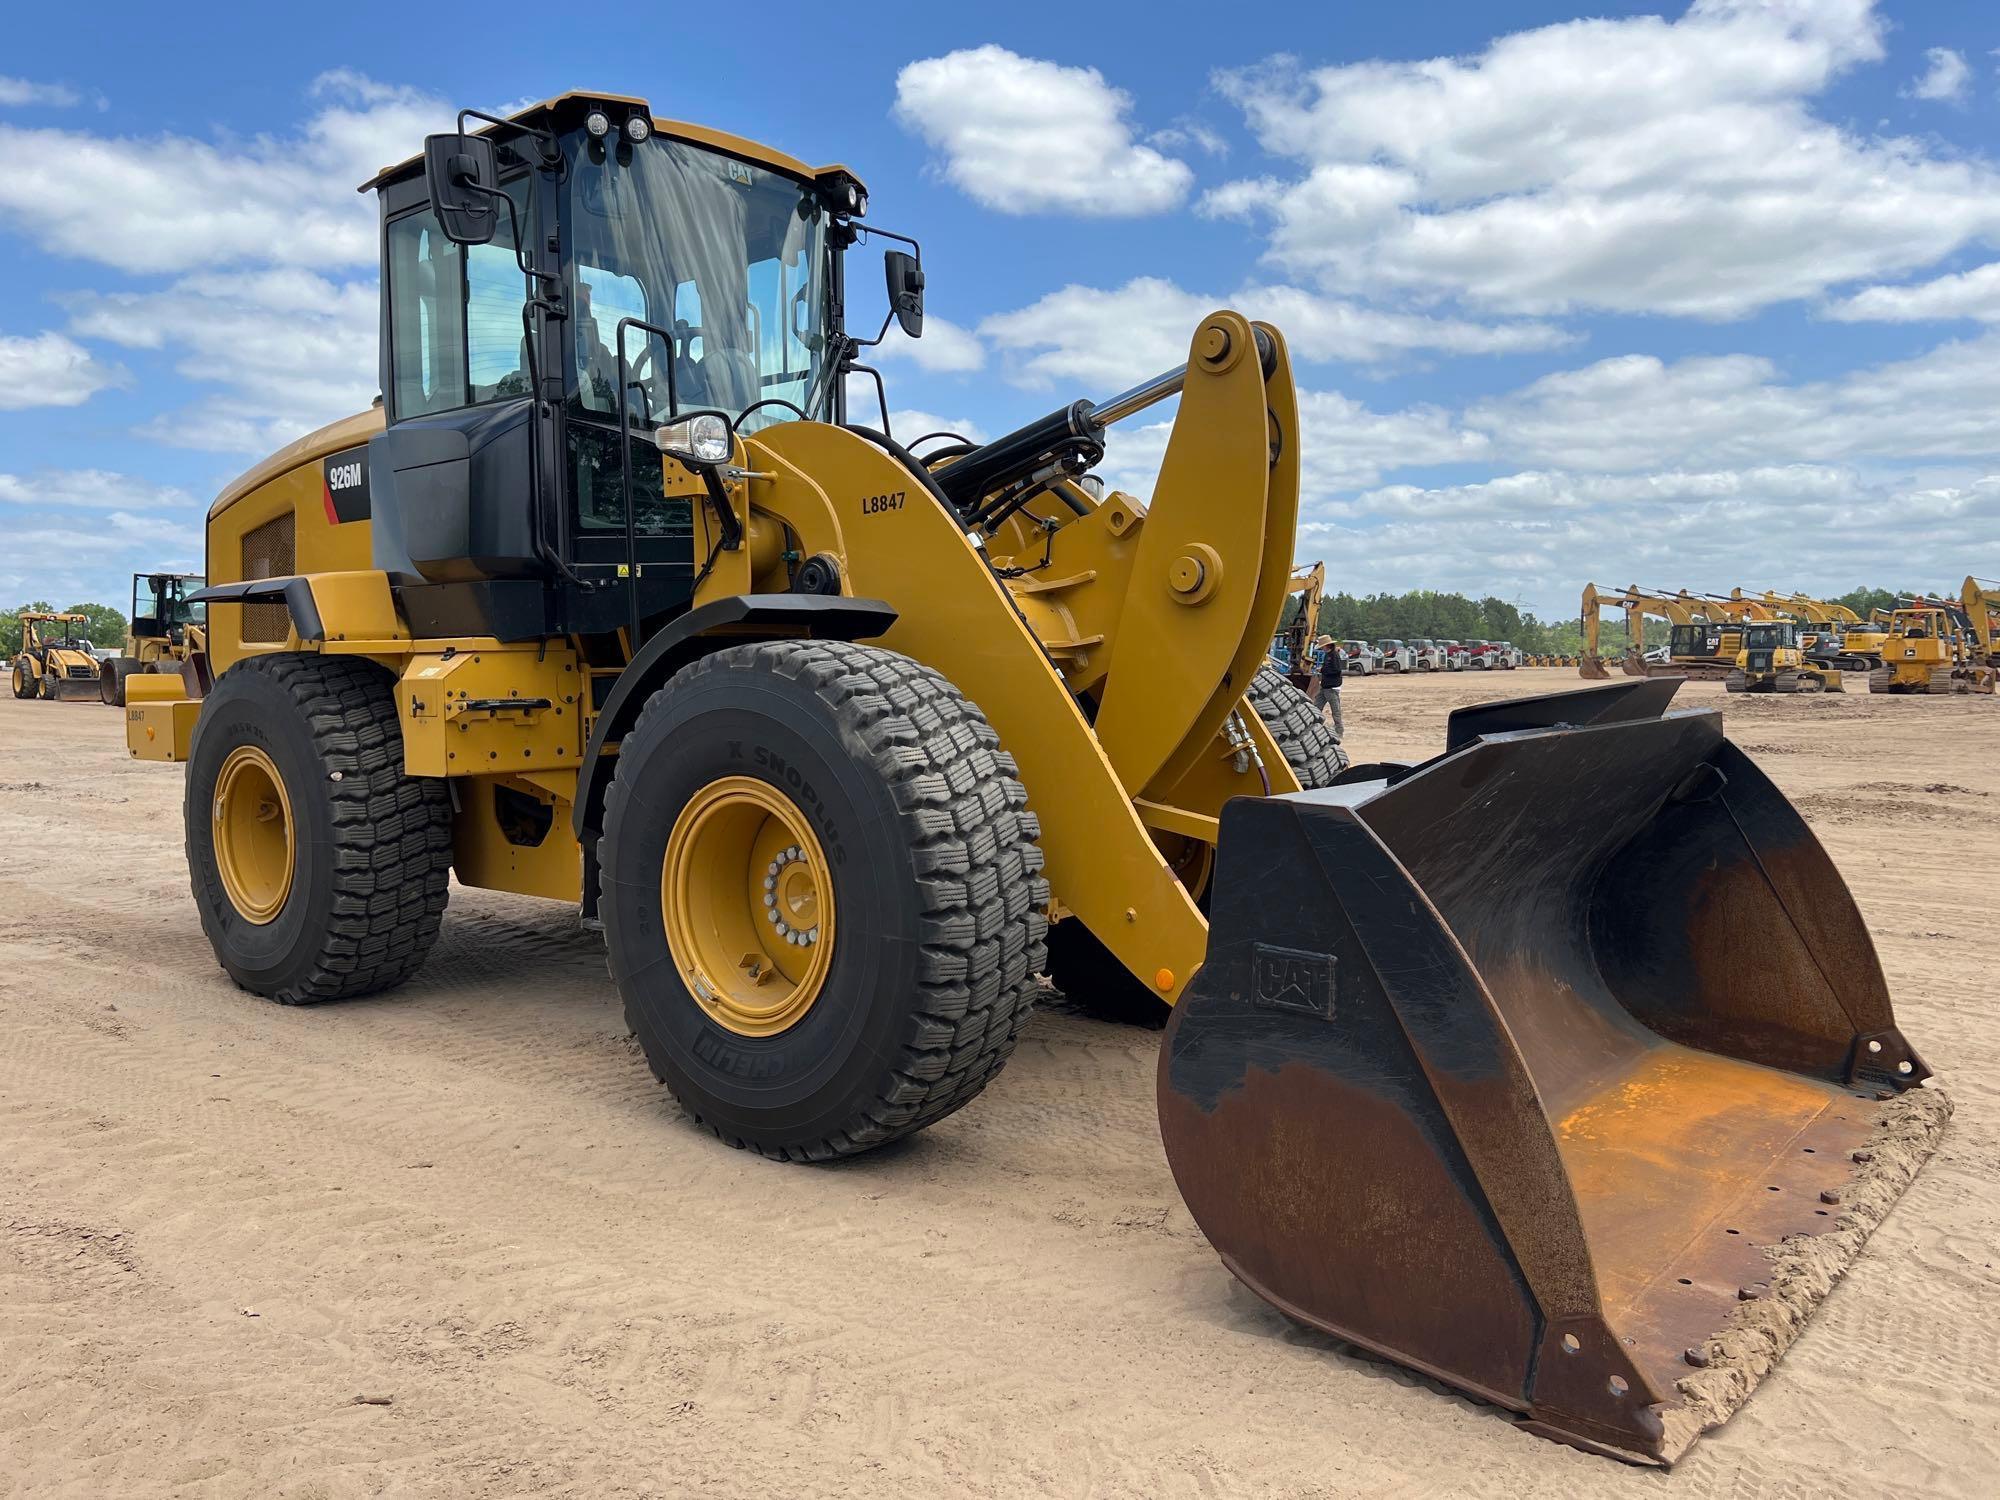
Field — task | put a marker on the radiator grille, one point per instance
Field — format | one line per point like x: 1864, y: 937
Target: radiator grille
x: 268, y: 553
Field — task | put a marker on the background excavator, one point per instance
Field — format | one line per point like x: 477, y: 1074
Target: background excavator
x: 1696, y: 642
x: 1468, y: 1060
x: 1294, y: 646
x: 1839, y: 637
x: 1980, y: 599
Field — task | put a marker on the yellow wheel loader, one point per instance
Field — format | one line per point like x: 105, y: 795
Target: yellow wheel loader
x: 1773, y: 660
x: 55, y: 661
x: 1524, y: 1065
x: 166, y: 634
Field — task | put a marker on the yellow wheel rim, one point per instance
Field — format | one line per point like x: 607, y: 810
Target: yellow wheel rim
x: 254, y: 843
x: 748, y: 905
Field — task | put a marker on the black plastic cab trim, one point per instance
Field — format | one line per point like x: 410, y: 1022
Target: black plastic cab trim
x: 830, y: 617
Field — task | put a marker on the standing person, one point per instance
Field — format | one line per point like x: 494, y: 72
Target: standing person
x: 1327, y: 699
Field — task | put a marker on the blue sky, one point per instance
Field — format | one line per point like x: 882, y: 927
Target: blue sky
x: 1685, y: 296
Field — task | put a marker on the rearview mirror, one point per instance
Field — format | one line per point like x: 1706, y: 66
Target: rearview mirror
x: 463, y: 176
x: 906, y: 290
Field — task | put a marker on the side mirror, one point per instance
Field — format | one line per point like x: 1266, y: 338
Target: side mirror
x: 701, y: 440
x: 463, y: 176
x: 906, y: 290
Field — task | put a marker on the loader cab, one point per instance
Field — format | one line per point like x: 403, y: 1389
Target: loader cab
x: 557, y: 287
x: 160, y: 607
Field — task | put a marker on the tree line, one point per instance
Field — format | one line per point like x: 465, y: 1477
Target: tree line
x: 106, y: 626
x: 1425, y: 614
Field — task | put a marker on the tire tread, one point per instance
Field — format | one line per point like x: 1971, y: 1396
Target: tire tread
x: 391, y: 854
x: 965, y: 817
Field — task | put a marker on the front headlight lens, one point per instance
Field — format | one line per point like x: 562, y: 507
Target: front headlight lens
x: 637, y: 128
x: 703, y: 438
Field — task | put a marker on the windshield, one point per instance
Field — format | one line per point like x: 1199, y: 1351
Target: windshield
x: 730, y: 256
x: 1766, y: 637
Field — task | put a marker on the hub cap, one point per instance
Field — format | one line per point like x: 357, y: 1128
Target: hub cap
x: 748, y: 906
x: 254, y: 844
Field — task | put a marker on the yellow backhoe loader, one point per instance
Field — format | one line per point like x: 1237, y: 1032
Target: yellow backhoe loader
x: 1927, y: 651
x: 1473, y: 1062
x: 166, y: 635
x: 54, y: 663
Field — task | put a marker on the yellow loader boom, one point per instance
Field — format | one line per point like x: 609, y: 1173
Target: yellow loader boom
x: 846, y: 746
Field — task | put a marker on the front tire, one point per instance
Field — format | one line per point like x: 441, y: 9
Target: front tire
x: 904, y: 826
x: 319, y: 868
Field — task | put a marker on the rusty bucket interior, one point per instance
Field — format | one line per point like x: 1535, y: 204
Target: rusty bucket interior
x: 1523, y: 1066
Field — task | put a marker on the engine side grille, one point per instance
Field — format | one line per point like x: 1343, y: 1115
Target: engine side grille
x: 268, y: 552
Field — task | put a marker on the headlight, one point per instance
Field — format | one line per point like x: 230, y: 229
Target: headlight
x: 703, y: 439
x: 597, y: 122
x: 637, y: 128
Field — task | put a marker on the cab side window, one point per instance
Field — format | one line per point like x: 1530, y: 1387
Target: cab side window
x: 426, y: 317
x: 455, y: 325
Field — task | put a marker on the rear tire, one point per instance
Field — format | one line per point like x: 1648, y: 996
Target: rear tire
x: 1087, y: 973
x: 111, y: 678
x: 23, y: 686
x: 935, y: 899
x: 371, y: 846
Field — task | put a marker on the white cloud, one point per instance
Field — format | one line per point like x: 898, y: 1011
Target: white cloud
x: 1638, y: 411
x: 1103, y: 340
x: 910, y: 424
x: 1186, y: 132
x: 1635, y: 165
x: 17, y: 92
x: 1343, y: 445
x: 1945, y: 78
x: 1022, y: 135
x: 174, y: 204
x: 945, y: 348
x: 89, y: 489
x: 1969, y: 294
x: 47, y: 369
x: 131, y: 527
x: 288, y: 350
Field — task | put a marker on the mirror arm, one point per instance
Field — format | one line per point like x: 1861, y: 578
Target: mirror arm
x: 880, y: 334
x: 550, y: 152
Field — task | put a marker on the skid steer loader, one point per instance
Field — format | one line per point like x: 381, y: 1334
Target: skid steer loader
x: 54, y: 664
x: 1514, y: 1065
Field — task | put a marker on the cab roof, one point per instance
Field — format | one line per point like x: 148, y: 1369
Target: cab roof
x: 556, y: 113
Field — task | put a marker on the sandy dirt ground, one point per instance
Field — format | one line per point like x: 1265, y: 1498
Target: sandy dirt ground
x: 221, y: 1220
